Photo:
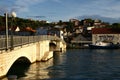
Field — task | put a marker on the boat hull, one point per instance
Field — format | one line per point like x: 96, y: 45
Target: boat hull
x: 103, y: 47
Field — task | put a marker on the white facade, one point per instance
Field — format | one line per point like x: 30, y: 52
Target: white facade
x: 61, y: 34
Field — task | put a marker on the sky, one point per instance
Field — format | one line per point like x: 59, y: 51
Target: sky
x: 55, y: 10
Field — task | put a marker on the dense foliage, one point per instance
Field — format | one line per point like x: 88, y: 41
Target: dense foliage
x: 22, y: 23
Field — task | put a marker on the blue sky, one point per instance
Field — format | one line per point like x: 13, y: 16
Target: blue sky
x: 55, y: 10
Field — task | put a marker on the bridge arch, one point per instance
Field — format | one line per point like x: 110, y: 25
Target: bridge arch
x: 18, y: 60
x: 52, y: 45
x: 21, y: 62
x: 22, y: 59
x: 7, y: 59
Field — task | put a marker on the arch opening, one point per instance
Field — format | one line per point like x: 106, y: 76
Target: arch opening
x: 52, y: 46
x: 19, y: 67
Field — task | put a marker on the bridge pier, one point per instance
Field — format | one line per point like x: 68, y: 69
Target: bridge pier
x: 60, y: 46
x: 42, y: 52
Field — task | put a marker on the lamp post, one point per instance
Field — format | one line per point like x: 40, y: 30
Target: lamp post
x: 6, y: 20
x: 13, y: 15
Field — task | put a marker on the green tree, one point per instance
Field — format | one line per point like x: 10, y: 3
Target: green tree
x: 116, y: 25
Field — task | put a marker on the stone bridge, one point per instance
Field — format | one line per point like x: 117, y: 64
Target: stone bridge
x: 30, y: 48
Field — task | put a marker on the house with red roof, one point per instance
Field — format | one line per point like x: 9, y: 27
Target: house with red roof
x: 106, y: 34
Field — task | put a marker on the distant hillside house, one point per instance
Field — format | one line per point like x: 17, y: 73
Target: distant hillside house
x: 56, y: 32
x: 106, y: 34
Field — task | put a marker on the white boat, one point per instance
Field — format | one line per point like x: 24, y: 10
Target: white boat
x: 104, y: 45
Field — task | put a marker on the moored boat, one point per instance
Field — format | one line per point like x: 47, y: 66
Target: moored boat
x: 104, y: 45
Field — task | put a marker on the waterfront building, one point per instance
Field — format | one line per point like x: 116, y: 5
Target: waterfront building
x: 106, y: 34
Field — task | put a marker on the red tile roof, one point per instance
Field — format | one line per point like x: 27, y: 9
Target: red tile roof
x: 105, y: 30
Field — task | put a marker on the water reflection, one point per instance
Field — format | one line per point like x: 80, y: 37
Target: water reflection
x: 58, y: 68
x: 38, y: 70
x: 101, y: 64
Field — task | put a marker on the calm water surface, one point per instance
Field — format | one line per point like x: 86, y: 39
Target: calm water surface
x: 74, y: 64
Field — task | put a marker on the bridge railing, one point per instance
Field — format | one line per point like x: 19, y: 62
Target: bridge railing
x: 16, y: 41
x: 2, y: 42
